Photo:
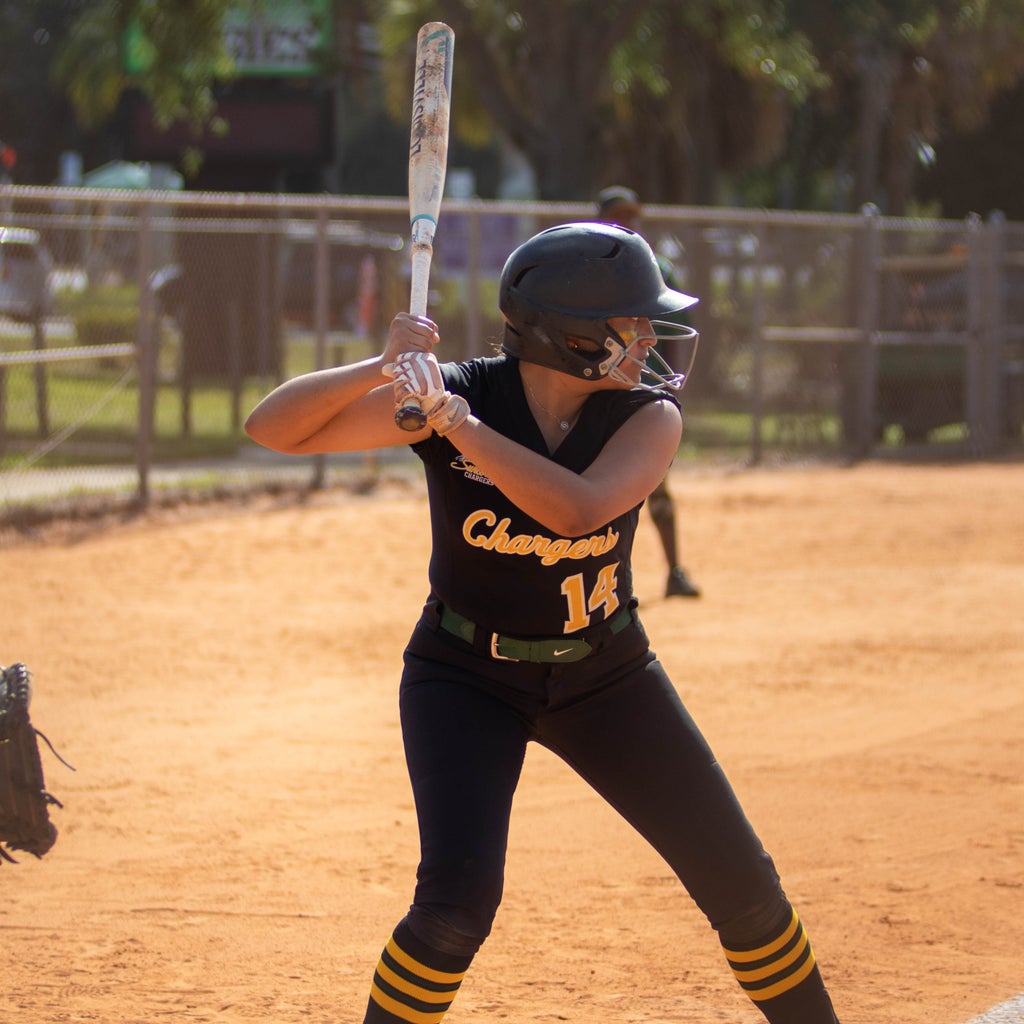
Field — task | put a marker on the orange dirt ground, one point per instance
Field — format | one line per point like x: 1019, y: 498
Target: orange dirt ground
x: 238, y: 839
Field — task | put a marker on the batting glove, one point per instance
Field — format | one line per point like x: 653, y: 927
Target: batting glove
x: 451, y: 412
x: 418, y: 376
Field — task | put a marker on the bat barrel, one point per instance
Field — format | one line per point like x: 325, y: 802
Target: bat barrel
x: 428, y: 158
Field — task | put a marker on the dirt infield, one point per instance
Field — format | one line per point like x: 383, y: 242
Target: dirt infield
x: 238, y: 838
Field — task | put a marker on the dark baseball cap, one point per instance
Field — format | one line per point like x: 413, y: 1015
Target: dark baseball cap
x: 617, y: 197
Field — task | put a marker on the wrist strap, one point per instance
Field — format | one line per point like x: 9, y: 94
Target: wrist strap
x: 451, y: 412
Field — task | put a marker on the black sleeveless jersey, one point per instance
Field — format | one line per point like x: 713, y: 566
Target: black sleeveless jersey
x: 493, y: 563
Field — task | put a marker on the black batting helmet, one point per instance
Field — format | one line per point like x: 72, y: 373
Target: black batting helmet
x: 568, y: 282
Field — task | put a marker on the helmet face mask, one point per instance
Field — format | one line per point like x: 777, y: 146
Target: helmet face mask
x: 655, y: 374
x: 569, y: 282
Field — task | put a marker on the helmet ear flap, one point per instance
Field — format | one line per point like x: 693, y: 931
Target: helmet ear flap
x: 543, y: 339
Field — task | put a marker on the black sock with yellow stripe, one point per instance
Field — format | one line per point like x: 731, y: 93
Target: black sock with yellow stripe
x: 413, y: 983
x: 779, y: 974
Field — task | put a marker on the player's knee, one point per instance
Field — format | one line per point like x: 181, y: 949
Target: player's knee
x: 457, y: 907
x: 659, y: 504
x: 769, y: 917
x: 451, y: 930
x: 460, y: 931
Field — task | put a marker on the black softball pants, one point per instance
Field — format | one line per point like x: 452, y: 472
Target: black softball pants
x: 616, y: 719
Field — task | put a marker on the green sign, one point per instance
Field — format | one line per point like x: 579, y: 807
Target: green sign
x: 279, y: 38
x: 271, y: 39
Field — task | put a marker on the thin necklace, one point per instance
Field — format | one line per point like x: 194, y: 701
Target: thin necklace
x: 564, y: 424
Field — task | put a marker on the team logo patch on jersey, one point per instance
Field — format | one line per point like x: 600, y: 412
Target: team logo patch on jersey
x: 463, y: 465
x: 483, y: 529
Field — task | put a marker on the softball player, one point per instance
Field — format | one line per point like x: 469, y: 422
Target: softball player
x: 537, y: 462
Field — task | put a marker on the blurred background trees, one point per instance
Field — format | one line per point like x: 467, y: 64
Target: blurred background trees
x: 802, y: 104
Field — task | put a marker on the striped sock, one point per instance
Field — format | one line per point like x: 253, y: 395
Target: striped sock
x: 780, y: 975
x: 413, y: 983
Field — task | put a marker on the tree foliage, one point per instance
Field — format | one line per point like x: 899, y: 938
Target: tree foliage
x: 175, y: 52
x: 705, y: 90
x: 903, y: 73
x: 534, y: 72
x: 800, y: 102
x: 34, y: 118
x: 590, y: 91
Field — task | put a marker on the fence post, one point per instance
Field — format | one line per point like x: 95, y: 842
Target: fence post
x: 321, y: 287
x: 146, y: 354
x: 235, y: 362
x: 973, y: 395
x: 3, y: 410
x: 474, y: 329
x: 976, y: 392
x: 39, y: 375
x: 994, y: 303
x: 265, y: 277
x: 757, y: 340
x: 865, y: 377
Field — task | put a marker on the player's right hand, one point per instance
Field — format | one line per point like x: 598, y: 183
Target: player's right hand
x: 408, y: 333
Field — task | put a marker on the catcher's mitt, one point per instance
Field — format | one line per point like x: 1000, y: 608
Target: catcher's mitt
x: 24, y: 803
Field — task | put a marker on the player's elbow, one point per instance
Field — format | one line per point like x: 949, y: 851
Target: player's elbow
x: 262, y: 430
x: 256, y: 428
x: 579, y: 509
x: 576, y: 522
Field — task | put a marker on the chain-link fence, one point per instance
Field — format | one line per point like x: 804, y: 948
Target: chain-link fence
x: 162, y: 318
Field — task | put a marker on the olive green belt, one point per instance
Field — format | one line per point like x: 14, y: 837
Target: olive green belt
x: 555, y: 649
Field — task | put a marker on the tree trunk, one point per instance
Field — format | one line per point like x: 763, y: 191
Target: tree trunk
x: 875, y: 73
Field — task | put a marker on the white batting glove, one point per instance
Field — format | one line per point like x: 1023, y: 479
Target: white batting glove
x: 451, y: 412
x: 418, y: 376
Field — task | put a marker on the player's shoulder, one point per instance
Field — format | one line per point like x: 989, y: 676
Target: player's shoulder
x: 608, y: 410
x: 629, y: 401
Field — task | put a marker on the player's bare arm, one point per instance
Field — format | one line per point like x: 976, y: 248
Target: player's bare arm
x: 343, y: 408
x: 571, y: 504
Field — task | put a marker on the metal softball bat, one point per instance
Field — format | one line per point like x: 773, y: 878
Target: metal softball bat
x: 428, y: 160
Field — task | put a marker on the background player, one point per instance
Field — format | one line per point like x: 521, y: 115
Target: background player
x: 618, y: 205
x: 537, y: 462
